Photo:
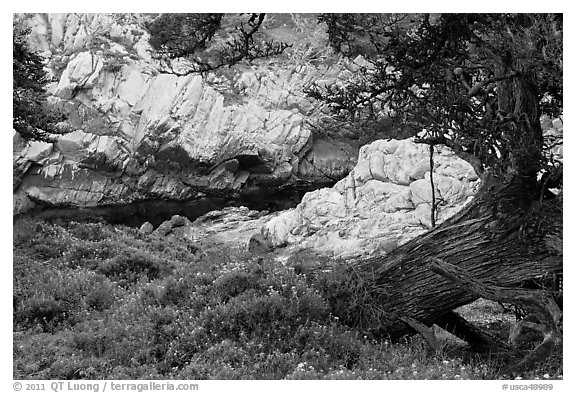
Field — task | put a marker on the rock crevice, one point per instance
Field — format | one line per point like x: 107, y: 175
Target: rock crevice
x: 136, y: 127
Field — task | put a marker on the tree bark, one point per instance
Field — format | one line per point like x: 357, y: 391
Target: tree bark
x: 504, y: 237
x: 519, y: 105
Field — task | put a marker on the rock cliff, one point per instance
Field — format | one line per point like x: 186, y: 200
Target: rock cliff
x: 141, y: 134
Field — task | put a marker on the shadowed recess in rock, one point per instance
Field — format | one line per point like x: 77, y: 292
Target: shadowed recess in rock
x: 157, y: 211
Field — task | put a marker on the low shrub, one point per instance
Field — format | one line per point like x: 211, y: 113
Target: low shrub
x: 48, y: 296
x: 87, y: 255
x: 232, y: 284
x: 39, y: 240
x: 112, y: 303
x: 131, y: 265
x: 43, y: 311
x: 89, y: 231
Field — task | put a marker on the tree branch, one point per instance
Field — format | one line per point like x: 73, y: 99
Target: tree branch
x: 457, y: 149
x: 545, y: 308
x: 242, y: 46
x: 422, y: 329
x: 477, y: 88
x: 540, y: 300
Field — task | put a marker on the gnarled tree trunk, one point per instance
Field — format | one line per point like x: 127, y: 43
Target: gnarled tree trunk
x: 490, y: 71
x: 505, y: 237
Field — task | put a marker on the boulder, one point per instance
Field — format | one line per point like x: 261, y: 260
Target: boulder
x: 384, y: 201
x: 146, y: 228
x: 178, y: 221
x: 164, y: 229
x: 259, y: 245
x: 232, y: 227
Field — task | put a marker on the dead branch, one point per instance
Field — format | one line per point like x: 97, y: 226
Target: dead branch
x: 542, y: 303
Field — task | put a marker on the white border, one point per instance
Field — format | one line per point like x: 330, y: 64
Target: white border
x: 298, y: 6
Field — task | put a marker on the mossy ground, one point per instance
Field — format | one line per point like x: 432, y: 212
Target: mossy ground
x: 95, y: 301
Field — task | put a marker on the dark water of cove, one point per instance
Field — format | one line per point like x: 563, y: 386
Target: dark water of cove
x: 157, y: 211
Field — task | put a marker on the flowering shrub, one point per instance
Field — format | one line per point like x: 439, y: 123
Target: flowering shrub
x: 96, y: 302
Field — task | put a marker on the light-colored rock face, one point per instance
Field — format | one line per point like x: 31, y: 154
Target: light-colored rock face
x: 554, y: 137
x: 141, y: 134
x: 384, y: 201
x: 232, y: 227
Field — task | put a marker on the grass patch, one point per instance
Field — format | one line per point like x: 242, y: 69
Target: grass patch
x: 94, y: 301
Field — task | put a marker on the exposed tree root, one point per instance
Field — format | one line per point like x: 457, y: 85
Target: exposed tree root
x: 423, y: 330
x: 541, y: 303
x: 479, y: 339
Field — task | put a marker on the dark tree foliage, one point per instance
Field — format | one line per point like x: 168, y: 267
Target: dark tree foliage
x: 32, y: 117
x: 180, y: 35
x: 477, y: 83
x: 210, y: 41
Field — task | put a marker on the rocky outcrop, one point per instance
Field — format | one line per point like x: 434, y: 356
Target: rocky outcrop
x: 235, y: 227
x: 142, y: 134
x: 384, y: 201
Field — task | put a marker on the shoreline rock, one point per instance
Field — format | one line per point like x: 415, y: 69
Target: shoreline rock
x: 383, y: 202
x: 141, y: 134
